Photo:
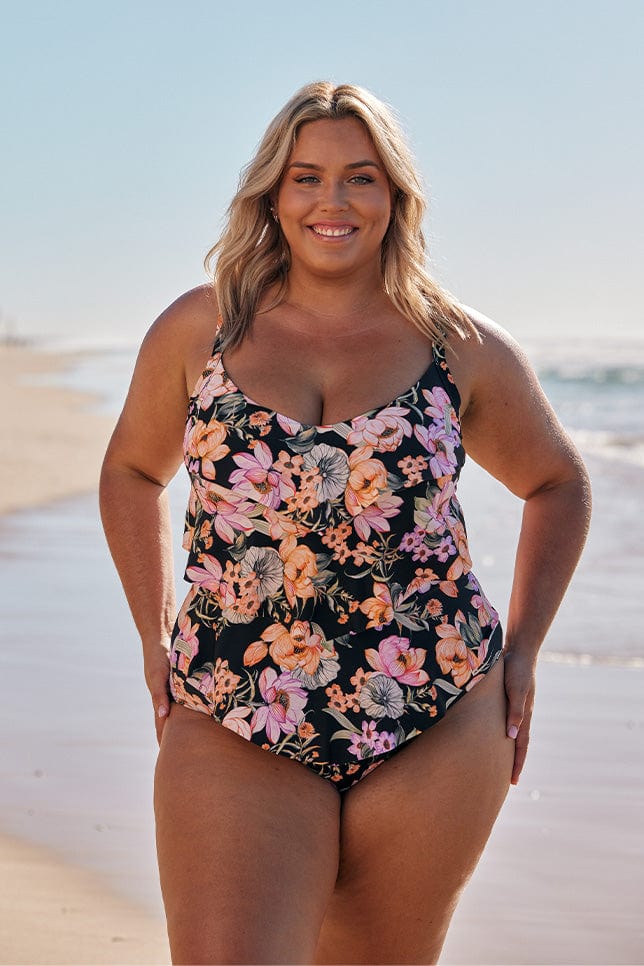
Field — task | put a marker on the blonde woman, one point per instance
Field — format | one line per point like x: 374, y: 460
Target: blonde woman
x: 338, y: 709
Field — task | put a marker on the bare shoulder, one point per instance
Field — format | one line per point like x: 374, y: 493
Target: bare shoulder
x: 172, y: 356
x: 489, y: 354
x: 509, y: 426
x: 185, y: 331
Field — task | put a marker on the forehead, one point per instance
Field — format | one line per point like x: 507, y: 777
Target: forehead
x: 346, y: 137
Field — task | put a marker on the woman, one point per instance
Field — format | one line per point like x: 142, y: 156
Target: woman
x: 333, y: 618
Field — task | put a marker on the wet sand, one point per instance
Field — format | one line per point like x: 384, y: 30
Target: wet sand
x: 562, y: 880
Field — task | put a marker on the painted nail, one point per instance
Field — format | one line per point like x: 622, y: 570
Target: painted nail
x: 513, y: 731
x: 162, y: 712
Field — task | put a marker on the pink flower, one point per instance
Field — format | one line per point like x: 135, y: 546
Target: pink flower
x: 257, y: 479
x: 229, y: 511
x: 209, y: 575
x: 398, y: 660
x: 386, y: 741
x: 211, y: 384
x: 284, y: 708
x: 234, y: 720
x: 440, y: 406
x: 440, y: 444
x: 485, y: 611
x: 430, y: 515
x: 290, y: 426
x: 383, y: 432
x: 364, y: 745
x: 375, y: 517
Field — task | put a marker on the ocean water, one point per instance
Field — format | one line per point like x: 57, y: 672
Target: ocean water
x: 77, y: 737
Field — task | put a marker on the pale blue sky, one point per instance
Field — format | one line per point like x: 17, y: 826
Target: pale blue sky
x: 125, y: 125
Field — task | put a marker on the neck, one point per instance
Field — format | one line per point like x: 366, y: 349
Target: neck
x: 335, y: 301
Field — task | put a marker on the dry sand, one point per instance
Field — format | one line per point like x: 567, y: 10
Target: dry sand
x: 51, y: 443
x: 53, y: 913
x: 561, y: 880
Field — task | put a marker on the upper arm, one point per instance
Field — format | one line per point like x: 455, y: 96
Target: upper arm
x: 509, y: 427
x: 149, y: 433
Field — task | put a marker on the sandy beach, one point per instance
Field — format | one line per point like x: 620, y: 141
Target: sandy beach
x: 41, y: 426
x: 562, y: 880
x: 51, y: 446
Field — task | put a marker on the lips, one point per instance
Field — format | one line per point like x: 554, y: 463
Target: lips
x: 333, y: 231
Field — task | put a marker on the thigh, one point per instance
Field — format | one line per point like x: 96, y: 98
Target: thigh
x: 247, y: 843
x: 412, y: 833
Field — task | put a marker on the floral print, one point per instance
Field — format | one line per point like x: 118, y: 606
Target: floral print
x: 333, y: 614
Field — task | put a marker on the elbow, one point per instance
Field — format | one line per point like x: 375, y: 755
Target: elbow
x: 572, y: 488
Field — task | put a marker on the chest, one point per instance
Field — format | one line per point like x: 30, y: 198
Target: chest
x: 321, y: 380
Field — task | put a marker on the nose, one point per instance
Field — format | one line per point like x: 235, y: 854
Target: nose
x: 334, y: 197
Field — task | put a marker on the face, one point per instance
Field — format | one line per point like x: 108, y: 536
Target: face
x: 334, y: 200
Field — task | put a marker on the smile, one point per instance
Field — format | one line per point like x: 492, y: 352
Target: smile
x: 329, y: 232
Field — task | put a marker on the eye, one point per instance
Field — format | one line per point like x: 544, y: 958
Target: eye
x: 306, y: 179
x: 362, y: 179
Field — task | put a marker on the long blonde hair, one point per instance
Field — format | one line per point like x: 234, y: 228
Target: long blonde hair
x: 253, y: 254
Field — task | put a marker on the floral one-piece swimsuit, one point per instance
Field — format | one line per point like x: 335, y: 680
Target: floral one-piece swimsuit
x: 333, y: 614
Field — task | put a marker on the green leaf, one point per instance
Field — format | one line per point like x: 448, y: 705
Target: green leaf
x: 447, y: 686
x: 343, y: 733
x: 341, y: 719
x: 304, y: 441
x: 407, y: 622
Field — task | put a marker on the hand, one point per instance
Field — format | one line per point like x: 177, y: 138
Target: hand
x: 156, y: 660
x: 519, y: 687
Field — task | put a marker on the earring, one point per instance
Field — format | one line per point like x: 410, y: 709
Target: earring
x: 275, y: 215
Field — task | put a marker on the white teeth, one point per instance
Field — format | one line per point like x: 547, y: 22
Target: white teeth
x: 332, y: 232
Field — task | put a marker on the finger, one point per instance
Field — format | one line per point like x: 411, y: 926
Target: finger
x: 521, y: 750
x: 161, y: 705
x: 516, y: 711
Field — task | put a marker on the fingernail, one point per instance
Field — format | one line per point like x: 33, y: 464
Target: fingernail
x: 162, y: 712
x: 513, y: 731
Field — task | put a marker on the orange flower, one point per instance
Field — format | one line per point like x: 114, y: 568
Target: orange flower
x: 260, y: 418
x: 453, y: 654
x: 334, y: 536
x: 295, y: 647
x: 299, y: 567
x: 337, y: 697
x: 205, y: 441
x: 367, y: 480
x: 360, y: 678
x: 286, y: 464
x: 378, y: 609
x: 463, y: 563
x: 364, y: 554
x: 307, y: 731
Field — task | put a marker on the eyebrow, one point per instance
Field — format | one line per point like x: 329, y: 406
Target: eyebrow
x: 354, y: 164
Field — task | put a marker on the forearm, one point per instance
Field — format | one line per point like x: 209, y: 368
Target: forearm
x: 136, y: 519
x: 553, y: 531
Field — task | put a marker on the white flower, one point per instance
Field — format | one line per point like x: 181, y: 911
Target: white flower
x: 333, y: 465
x: 382, y: 697
x: 327, y: 671
x: 268, y: 568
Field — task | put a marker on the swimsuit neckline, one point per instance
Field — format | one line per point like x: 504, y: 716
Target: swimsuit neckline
x: 218, y: 357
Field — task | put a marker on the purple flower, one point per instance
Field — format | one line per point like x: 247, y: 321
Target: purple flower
x: 284, y: 709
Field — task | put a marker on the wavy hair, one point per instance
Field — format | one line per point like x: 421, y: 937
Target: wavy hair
x: 252, y: 253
